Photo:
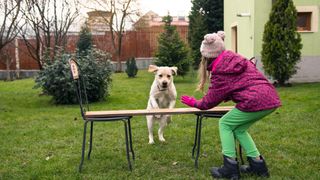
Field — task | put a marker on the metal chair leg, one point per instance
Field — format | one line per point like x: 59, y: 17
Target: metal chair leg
x: 91, y: 132
x: 130, y: 139
x: 127, y: 145
x: 199, y: 140
x: 83, y: 145
x: 195, y: 136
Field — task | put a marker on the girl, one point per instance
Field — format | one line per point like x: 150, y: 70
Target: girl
x: 235, y: 78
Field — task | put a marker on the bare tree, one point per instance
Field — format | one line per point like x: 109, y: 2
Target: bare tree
x: 6, y: 58
x: 47, y: 24
x: 9, y: 18
x: 122, y: 12
x: 9, y: 13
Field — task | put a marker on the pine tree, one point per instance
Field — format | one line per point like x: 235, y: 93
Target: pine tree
x: 172, y: 51
x: 84, y: 44
x: 281, y: 42
x: 205, y: 17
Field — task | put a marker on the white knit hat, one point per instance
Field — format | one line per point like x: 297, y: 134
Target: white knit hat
x: 212, y: 45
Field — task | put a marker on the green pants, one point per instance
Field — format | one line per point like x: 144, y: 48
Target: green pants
x: 235, y: 124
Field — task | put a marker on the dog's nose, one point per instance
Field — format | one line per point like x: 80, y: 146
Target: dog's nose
x: 164, y: 83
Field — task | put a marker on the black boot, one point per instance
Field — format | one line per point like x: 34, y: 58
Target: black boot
x: 256, y: 166
x: 229, y: 169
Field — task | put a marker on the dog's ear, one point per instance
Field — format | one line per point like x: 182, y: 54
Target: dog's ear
x: 153, y: 68
x: 174, y: 70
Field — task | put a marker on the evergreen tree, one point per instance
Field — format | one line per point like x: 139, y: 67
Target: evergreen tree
x: 84, y: 44
x: 281, y: 42
x: 172, y: 51
x: 206, y: 17
x: 197, y: 30
x: 132, y: 68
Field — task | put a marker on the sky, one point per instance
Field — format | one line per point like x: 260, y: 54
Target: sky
x: 161, y: 7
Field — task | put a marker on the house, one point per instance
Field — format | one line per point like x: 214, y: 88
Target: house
x: 244, y: 25
x: 152, y: 23
x: 144, y: 21
x: 98, y: 21
x: 152, y: 19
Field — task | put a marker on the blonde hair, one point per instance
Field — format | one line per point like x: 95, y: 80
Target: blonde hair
x: 203, y: 74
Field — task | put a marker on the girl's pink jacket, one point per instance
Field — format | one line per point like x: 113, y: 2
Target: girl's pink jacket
x: 235, y: 78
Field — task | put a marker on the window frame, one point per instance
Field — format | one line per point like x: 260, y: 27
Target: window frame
x: 314, y: 18
x: 307, y: 22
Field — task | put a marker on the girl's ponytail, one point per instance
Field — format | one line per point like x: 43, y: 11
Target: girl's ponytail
x: 202, y: 74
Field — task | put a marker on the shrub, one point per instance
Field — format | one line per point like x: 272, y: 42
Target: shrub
x: 55, y: 79
x: 132, y: 68
x: 281, y: 42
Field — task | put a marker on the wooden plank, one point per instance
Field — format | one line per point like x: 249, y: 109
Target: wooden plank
x: 143, y: 112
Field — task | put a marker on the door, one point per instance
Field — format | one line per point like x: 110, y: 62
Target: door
x: 234, y: 38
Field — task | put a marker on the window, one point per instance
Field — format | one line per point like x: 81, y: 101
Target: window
x: 307, y: 18
x: 304, y: 21
x: 181, y: 18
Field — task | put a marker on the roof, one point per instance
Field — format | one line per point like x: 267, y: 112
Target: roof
x: 151, y: 19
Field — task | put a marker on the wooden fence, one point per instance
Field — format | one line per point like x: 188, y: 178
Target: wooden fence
x: 139, y: 44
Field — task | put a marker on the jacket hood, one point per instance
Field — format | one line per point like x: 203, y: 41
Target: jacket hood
x: 230, y: 63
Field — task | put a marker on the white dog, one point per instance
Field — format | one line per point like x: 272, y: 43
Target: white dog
x: 163, y: 94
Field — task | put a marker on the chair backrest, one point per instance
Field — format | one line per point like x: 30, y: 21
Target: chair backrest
x: 80, y: 86
x: 253, y: 60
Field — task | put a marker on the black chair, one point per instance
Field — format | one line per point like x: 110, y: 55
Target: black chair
x: 84, y: 107
x: 197, y: 137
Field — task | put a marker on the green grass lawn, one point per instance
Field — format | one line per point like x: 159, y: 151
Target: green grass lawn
x: 41, y: 140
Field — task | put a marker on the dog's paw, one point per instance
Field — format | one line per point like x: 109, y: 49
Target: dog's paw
x: 151, y: 142
x: 157, y: 116
x: 162, y: 139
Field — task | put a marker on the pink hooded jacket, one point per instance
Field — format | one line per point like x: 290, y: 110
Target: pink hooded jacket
x: 235, y: 78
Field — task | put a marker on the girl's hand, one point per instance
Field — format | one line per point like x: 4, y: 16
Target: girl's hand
x: 188, y: 100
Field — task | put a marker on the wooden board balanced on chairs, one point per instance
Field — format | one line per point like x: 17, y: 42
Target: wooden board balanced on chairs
x: 144, y: 112
x: 215, y: 112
